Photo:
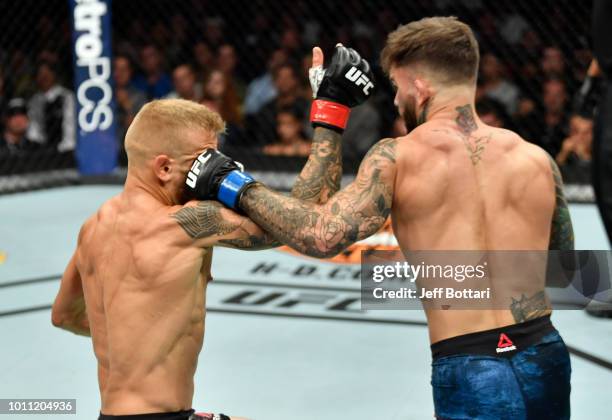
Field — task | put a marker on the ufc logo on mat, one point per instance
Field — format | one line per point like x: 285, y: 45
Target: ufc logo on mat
x: 192, y: 175
x: 356, y: 76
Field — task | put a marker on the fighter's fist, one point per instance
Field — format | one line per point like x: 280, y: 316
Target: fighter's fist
x: 214, y: 176
x: 347, y: 82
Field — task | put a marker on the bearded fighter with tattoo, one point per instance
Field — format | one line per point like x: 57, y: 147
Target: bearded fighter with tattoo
x: 452, y: 183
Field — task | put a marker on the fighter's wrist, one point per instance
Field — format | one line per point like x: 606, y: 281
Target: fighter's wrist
x: 329, y: 114
x: 233, y: 186
x: 245, y: 196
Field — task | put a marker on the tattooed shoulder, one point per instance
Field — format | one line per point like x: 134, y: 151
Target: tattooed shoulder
x: 384, y: 149
x: 203, y: 220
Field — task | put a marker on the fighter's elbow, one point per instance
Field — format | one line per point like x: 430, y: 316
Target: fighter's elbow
x: 57, y: 319
x: 323, y: 252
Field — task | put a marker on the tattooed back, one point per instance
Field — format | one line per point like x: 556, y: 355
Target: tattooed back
x: 145, y: 287
x: 462, y: 185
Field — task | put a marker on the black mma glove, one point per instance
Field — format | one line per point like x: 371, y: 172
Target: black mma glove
x: 347, y: 82
x: 214, y: 176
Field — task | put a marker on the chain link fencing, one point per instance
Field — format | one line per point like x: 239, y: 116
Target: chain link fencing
x: 249, y: 61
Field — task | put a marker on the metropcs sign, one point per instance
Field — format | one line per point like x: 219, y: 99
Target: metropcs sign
x: 94, y: 93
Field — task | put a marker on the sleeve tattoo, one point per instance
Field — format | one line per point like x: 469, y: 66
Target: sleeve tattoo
x: 324, y: 230
x: 562, y: 232
x: 209, y: 219
x: 320, y: 178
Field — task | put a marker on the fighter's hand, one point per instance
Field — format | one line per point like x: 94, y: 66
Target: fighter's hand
x: 347, y: 82
x: 316, y: 71
x: 214, y: 176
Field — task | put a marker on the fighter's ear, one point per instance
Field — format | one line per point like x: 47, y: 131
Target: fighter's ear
x: 162, y: 166
x: 423, y: 91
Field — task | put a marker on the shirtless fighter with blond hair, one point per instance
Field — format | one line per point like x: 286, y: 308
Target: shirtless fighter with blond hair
x: 137, y: 281
x: 452, y: 183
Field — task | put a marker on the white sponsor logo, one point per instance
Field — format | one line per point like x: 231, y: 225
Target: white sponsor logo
x: 356, y: 76
x: 94, y: 114
x: 194, y: 172
x: 505, y: 349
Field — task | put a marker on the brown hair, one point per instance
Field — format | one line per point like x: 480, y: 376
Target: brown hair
x: 443, y: 45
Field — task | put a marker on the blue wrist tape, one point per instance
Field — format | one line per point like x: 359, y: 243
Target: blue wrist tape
x: 231, y: 186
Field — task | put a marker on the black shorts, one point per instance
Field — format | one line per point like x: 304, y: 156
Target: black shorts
x: 176, y: 415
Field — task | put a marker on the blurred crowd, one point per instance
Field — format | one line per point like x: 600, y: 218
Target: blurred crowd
x: 249, y: 62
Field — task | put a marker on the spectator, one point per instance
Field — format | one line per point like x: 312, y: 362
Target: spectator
x: 291, y: 140
x: 204, y: 60
x: 185, y: 84
x: 129, y: 99
x: 546, y: 125
x: 552, y: 63
x: 553, y: 66
x: 262, y: 89
x: 227, y: 61
x: 262, y: 126
x: 155, y: 83
x: 492, y: 113
x: 574, y: 159
x: 220, y: 96
x: 214, y: 31
x: 576, y: 148
x: 19, y: 75
x: 290, y: 41
x: 52, y: 111
x: 495, y: 85
x: 14, y: 141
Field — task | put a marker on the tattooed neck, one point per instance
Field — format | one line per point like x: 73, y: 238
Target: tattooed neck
x: 465, y: 119
x: 475, y: 145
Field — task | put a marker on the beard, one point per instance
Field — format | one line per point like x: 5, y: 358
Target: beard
x: 409, y: 113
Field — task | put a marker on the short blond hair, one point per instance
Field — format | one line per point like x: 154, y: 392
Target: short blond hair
x: 160, y: 125
x: 443, y: 45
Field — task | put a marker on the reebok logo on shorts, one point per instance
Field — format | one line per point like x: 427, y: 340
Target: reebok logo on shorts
x: 504, y: 344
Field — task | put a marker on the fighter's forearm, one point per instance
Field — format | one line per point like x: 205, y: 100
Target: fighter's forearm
x: 320, y: 177
x: 324, y: 230
x: 302, y: 225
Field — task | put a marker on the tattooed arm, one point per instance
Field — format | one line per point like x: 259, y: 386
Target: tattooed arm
x: 209, y: 223
x: 320, y: 177
x: 561, y: 232
x: 323, y: 230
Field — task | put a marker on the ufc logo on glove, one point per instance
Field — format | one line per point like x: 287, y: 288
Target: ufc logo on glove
x: 192, y: 176
x: 356, y: 76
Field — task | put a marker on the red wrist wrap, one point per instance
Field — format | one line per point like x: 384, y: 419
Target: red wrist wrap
x: 330, y: 113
